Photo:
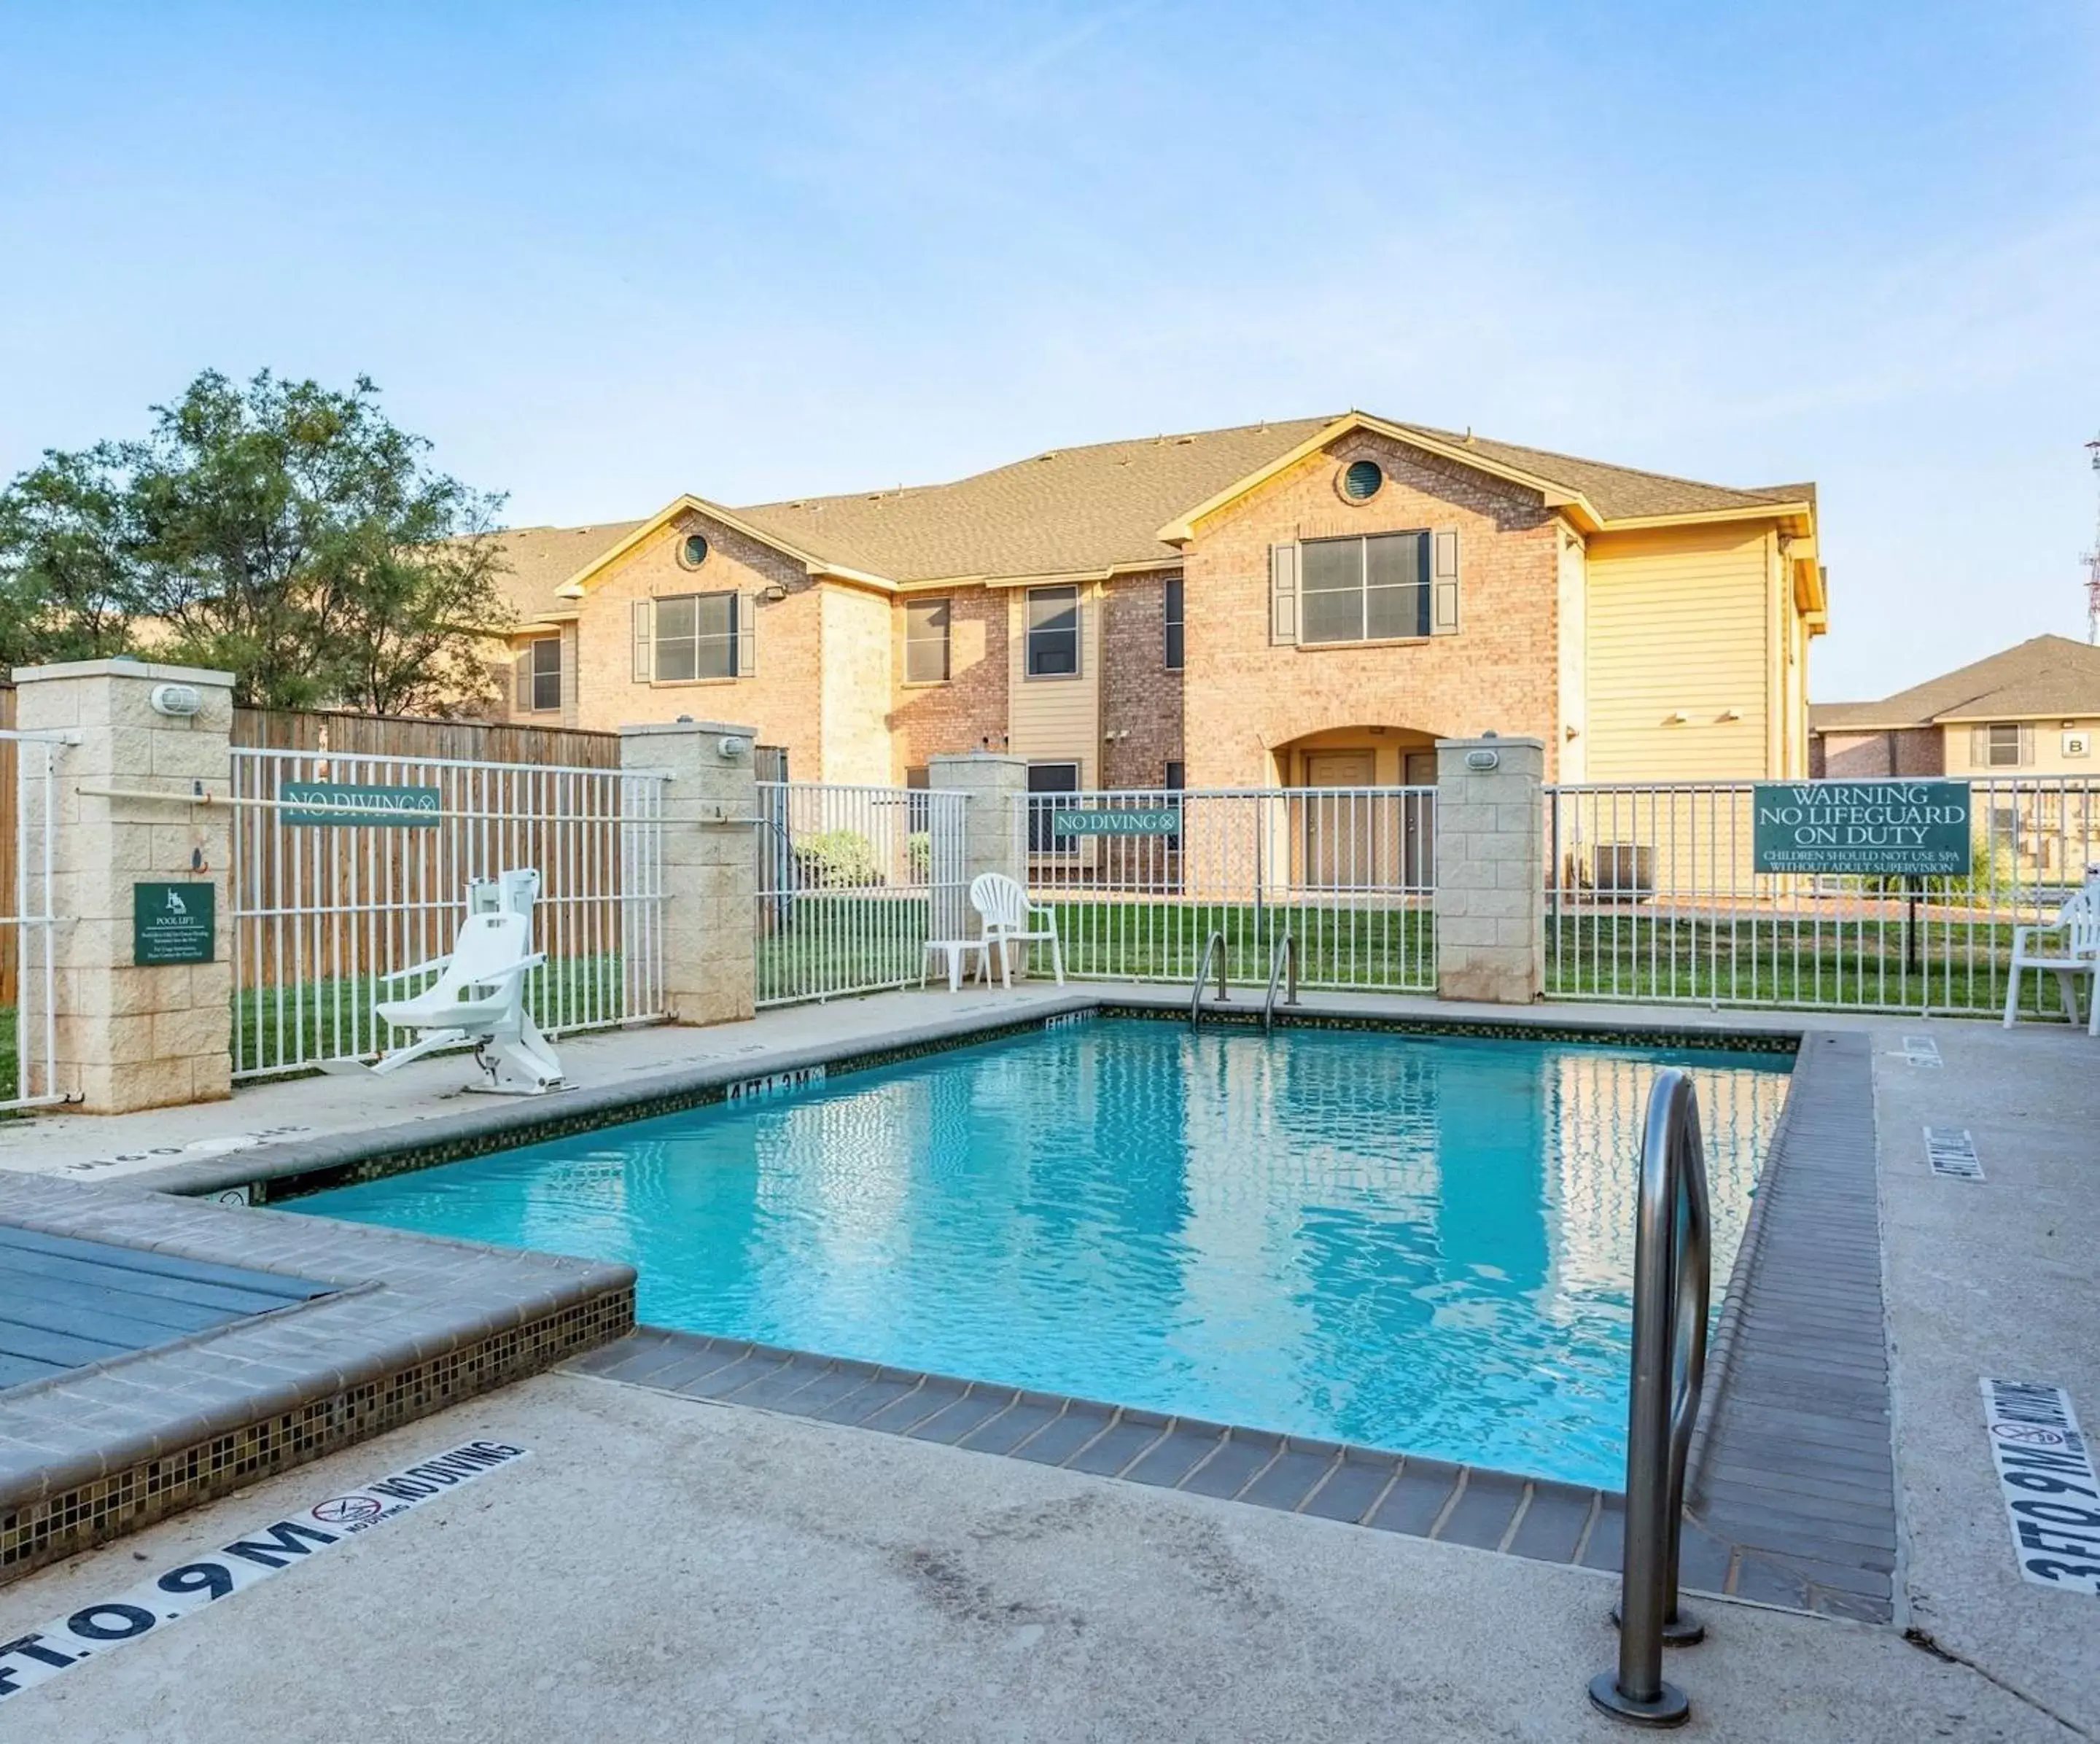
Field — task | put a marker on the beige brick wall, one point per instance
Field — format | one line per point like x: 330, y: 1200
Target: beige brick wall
x: 1141, y: 699
x: 857, y: 685
x: 931, y: 720
x: 782, y: 700
x: 1500, y: 672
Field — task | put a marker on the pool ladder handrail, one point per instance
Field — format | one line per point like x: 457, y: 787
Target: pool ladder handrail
x: 1673, y: 1278
x: 1284, y: 957
x: 1213, y: 946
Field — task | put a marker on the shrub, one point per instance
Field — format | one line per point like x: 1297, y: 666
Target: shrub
x: 835, y: 859
x: 919, y: 854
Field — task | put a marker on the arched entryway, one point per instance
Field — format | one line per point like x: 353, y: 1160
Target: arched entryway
x: 1349, y: 836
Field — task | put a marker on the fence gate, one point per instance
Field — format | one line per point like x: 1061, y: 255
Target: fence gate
x: 1140, y: 880
x: 322, y: 911
x: 30, y: 878
x: 851, y: 881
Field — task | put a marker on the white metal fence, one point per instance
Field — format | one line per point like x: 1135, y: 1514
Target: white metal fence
x: 321, y: 911
x: 1651, y: 895
x: 1140, y: 880
x: 29, y: 1077
x: 852, y: 882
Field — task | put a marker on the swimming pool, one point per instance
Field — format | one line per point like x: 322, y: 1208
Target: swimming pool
x: 1418, y: 1243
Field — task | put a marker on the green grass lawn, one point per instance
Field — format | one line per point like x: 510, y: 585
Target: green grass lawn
x: 291, y: 1024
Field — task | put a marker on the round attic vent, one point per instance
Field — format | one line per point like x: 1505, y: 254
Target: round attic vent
x: 693, y: 551
x: 1361, y: 480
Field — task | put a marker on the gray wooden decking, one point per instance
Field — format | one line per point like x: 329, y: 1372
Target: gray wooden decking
x: 65, y: 1303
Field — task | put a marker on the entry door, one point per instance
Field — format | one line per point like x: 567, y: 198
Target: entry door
x: 1419, y: 827
x: 1341, y: 840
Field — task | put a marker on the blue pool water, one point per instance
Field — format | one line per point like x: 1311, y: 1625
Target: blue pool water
x: 1422, y: 1243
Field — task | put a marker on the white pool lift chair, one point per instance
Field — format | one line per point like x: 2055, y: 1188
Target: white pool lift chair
x: 479, y: 993
x: 1010, y: 918
x: 2068, y: 947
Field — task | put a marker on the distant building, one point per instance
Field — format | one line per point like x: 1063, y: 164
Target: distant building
x: 1305, y: 603
x: 2030, y: 710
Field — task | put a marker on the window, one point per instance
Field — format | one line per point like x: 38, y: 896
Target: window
x: 1370, y: 589
x: 696, y: 637
x: 693, y: 551
x: 925, y: 641
x: 918, y: 808
x: 1174, y: 642
x: 540, y: 675
x: 1053, y: 632
x: 1177, y: 778
x: 2003, y: 745
x: 1049, y: 778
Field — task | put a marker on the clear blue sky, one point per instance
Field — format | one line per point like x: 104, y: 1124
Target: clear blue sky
x: 601, y: 253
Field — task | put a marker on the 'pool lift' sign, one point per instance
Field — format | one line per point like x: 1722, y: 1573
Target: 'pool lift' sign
x: 1885, y: 829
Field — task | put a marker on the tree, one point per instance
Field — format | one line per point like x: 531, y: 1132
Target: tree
x: 65, y: 588
x: 284, y: 532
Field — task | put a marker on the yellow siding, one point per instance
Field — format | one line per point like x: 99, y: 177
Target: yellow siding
x: 2047, y: 746
x: 1683, y: 621
x: 1058, y: 719
x: 1570, y: 758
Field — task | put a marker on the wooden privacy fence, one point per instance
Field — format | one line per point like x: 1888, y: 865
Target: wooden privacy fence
x: 322, y: 912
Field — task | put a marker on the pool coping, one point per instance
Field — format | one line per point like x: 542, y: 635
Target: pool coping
x: 289, y: 1168
x: 413, y: 1323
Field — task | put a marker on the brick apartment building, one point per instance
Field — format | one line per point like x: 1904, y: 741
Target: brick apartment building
x: 1313, y: 602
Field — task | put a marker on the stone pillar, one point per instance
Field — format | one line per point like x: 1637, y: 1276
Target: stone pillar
x: 1490, y: 869
x: 710, y: 868
x: 132, y: 1035
x: 994, y: 788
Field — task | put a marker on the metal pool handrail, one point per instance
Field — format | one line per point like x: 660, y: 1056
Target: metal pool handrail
x: 1284, y: 956
x: 1672, y: 1264
x: 1213, y: 946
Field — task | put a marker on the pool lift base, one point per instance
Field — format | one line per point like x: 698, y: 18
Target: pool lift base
x: 1670, y: 1707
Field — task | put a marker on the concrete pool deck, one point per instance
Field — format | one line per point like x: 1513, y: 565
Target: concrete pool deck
x: 1141, y: 1612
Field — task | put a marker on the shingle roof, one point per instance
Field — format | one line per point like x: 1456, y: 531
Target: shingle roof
x: 1087, y: 509
x: 537, y: 560
x: 1066, y: 510
x: 2044, y: 676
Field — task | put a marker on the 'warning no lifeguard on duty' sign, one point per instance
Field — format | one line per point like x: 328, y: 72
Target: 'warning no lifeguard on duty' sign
x: 1917, y: 828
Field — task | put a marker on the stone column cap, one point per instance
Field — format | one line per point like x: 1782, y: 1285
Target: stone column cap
x: 123, y: 668
x: 1517, y: 740
x: 645, y: 729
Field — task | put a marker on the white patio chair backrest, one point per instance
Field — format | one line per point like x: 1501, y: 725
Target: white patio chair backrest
x: 2079, y: 920
x: 1001, y: 901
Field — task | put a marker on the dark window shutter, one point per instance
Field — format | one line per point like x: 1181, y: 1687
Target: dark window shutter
x: 644, y: 614
x: 1444, y: 582
x: 1283, y: 594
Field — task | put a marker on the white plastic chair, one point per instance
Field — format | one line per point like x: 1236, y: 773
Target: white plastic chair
x: 479, y: 994
x: 2068, y: 947
x: 1009, y: 919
